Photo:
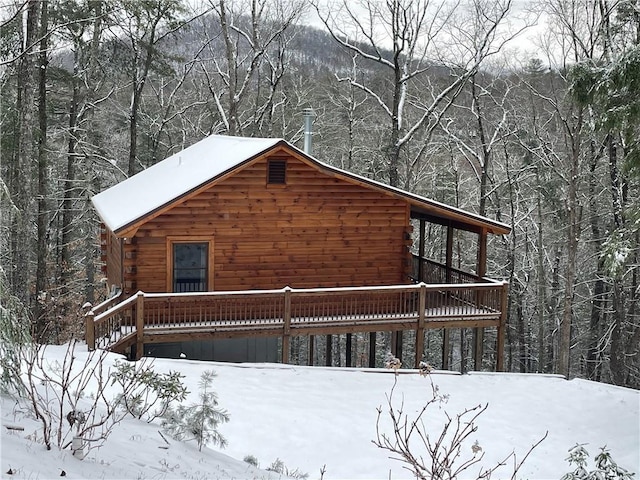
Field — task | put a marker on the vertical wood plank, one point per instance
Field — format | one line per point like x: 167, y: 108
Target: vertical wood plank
x: 347, y: 349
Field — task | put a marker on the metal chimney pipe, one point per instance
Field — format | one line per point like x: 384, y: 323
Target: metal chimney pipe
x: 309, y: 115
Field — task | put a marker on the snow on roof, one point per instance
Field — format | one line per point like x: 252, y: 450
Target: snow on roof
x: 151, y: 189
x: 133, y: 198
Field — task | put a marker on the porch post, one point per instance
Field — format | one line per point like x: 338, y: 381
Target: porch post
x: 347, y: 349
x: 286, y: 332
x: 139, y: 325
x: 329, y: 352
x: 446, y: 342
x: 422, y: 306
x: 421, y: 249
x: 502, y: 329
x: 481, y: 269
x: 449, y: 253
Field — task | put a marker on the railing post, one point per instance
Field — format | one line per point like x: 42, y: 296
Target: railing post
x: 90, y: 331
x: 139, y: 325
x: 478, y: 334
x: 287, y: 325
x: 422, y: 307
x: 502, y: 328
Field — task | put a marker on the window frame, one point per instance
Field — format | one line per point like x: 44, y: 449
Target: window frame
x: 173, y: 240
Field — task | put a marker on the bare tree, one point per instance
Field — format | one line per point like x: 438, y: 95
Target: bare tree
x: 139, y: 28
x: 255, y: 35
x: 438, y: 454
x: 405, y: 39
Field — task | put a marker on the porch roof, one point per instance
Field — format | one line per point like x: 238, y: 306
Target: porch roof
x: 160, y: 186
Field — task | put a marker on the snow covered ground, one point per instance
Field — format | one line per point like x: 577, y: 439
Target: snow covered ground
x: 315, y: 418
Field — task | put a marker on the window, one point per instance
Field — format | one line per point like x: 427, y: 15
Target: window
x: 277, y: 172
x: 190, y: 267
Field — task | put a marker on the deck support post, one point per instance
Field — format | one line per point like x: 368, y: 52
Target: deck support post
x: 422, y: 307
x: 347, y: 350
x: 286, y: 332
x: 139, y: 325
x: 481, y: 269
x: 396, y: 344
x: 502, y: 328
x: 329, y: 351
x: 446, y: 347
x: 372, y: 350
x: 312, y: 345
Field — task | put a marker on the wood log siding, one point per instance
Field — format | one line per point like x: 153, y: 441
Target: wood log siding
x: 315, y: 231
x: 112, y: 255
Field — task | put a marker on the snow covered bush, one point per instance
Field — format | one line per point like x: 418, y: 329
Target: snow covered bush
x: 79, y: 396
x: 152, y: 393
x: 251, y: 460
x: 606, y: 467
x: 278, y: 466
x: 198, y: 421
x: 57, y: 394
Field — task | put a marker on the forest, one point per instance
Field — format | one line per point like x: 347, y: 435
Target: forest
x: 524, y: 112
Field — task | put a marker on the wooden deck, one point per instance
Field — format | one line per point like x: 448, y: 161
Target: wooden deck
x: 169, y: 317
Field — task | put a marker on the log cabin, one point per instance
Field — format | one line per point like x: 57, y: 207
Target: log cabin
x: 233, y: 245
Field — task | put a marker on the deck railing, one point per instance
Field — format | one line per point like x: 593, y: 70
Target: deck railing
x: 434, y: 272
x: 153, y: 316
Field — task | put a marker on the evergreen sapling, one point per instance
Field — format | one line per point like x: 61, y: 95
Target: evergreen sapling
x: 198, y: 421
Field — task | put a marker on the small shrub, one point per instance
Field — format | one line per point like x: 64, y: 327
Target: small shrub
x: 278, y: 466
x: 251, y: 460
x: 153, y: 392
x: 198, y: 421
x: 606, y: 467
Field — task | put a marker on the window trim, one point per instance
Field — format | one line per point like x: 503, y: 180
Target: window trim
x: 171, y: 240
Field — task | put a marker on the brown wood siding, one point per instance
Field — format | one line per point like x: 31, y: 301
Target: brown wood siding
x: 315, y: 231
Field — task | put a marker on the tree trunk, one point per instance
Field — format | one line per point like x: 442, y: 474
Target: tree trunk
x: 618, y: 307
x: 573, y: 231
x: 20, y: 181
x: 40, y: 305
x: 592, y: 367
